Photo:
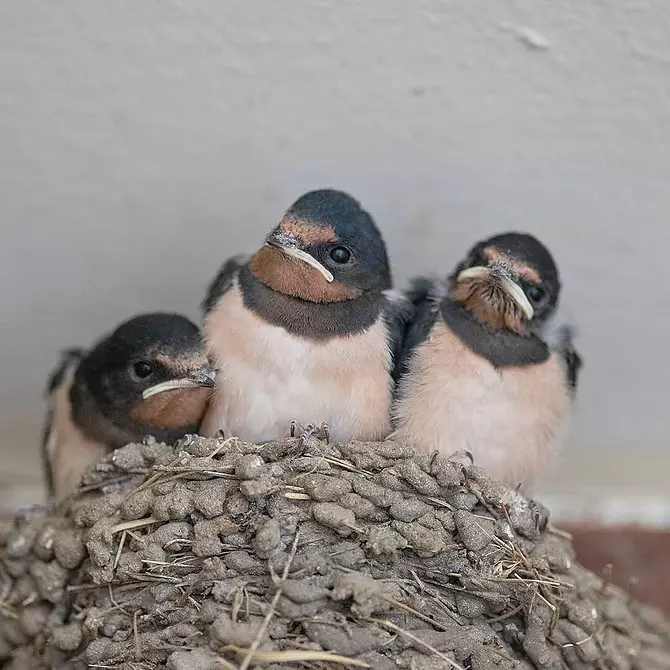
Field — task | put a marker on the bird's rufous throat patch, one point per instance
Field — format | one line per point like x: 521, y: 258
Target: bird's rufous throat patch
x: 489, y: 304
x: 173, y: 409
x: 293, y: 277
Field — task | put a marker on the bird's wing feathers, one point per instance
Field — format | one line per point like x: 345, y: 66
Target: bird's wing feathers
x: 398, y: 313
x: 565, y: 347
x: 223, y: 281
x: 69, y: 360
x: 560, y: 339
x: 424, y: 295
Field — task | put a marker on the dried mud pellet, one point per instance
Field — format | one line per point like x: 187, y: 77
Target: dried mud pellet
x: 255, y: 489
x: 389, y: 450
x: 462, y: 499
x: 138, y: 505
x: 307, y: 590
x: 69, y: 549
x: 378, y: 495
x: 367, y: 459
x: 423, y: 541
x: 20, y: 542
x: 584, y: 644
x: 378, y: 661
x: 169, y: 536
x: 152, y: 552
x: 34, y: 618
x: 129, y: 458
x: 164, y: 488
x: 475, y: 532
x: 15, y: 568
x: 384, y: 540
x: 482, y: 660
x: 287, y: 608
x: 536, y: 646
x: 362, y: 507
x: 210, y: 497
x: 236, y: 505
x: 99, y: 552
x: 447, y: 473
x: 240, y: 633
x: 340, y: 519
x: 323, y: 488
x: 174, y: 506
x: 249, y: 466
x: 470, y: 606
x: 67, y: 638
x: 91, y: 510
x: 245, y: 564
x: 50, y: 579
x: 201, y: 446
x: 112, y: 623
x: 13, y: 632
x: 267, y: 539
x: 392, y: 481
x: 446, y: 518
x: 44, y: 543
x: 585, y: 615
x: 129, y: 565
x: 194, y: 659
x: 100, y: 650
x: 310, y: 464
x: 6, y: 529
x: 367, y: 594
x: 351, y: 642
x: 418, y: 479
x: 208, y: 533
x: 158, y: 454
x: 237, y: 540
x: 408, y: 510
x: 24, y: 589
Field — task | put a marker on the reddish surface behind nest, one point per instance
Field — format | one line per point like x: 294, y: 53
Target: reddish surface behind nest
x: 639, y: 558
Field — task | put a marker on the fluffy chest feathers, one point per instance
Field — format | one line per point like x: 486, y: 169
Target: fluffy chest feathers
x: 268, y: 377
x: 511, y: 419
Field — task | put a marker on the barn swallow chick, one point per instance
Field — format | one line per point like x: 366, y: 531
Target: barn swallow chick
x: 481, y: 370
x: 149, y: 377
x: 306, y: 329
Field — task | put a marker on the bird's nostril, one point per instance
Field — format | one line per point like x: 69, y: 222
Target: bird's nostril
x: 278, y: 237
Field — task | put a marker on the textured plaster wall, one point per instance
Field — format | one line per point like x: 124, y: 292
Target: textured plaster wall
x: 142, y: 142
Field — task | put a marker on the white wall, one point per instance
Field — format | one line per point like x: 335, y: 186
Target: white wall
x: 143, y: 142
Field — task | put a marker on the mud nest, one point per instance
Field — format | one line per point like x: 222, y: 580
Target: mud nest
x: 218, y: 554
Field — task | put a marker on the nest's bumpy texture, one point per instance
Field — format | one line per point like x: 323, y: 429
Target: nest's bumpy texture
x: 221, y: 554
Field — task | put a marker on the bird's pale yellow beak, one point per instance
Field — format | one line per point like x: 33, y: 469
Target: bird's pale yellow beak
x: 289, y: 245
x: 195, y: 380
x: 508, y: 285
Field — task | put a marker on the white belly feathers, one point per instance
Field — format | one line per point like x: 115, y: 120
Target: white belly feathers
x: 268, y: 377
x: 512, y: 419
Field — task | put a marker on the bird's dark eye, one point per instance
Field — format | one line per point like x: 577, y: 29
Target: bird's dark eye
x: 143, y: 369
x: 535, y: 293
x: 340, y: 255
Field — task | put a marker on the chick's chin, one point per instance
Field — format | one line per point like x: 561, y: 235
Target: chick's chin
x: 292, y: 277
x: 490, y: 304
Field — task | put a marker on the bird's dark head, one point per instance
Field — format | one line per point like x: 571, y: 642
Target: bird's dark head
x: 150, y: 376
x: 326, y: 248
x: 507, y: 281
